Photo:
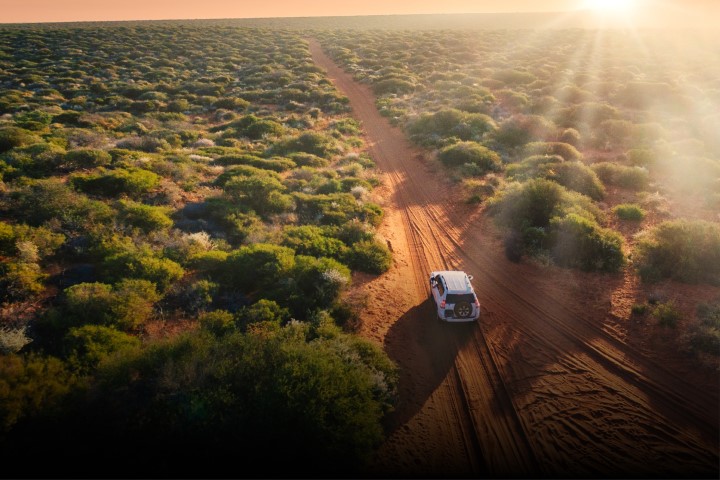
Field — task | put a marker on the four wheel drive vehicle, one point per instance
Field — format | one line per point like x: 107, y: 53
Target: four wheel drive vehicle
x: 454, y: 297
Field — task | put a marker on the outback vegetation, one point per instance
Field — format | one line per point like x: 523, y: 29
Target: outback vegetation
x: 590, y: 151
x: 605, y: 131
x: 184, y: 207
x: 178, y: 178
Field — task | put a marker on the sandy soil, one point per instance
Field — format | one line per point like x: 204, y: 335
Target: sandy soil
x: 557, y: 379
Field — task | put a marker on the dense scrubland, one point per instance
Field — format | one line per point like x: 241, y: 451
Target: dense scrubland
x: 203, y: 181
x: 183, y: 205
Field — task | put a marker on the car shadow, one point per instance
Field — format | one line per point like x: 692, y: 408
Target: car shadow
x: 424, y: 349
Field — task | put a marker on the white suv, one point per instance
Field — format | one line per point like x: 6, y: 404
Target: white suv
x: 454, y: 297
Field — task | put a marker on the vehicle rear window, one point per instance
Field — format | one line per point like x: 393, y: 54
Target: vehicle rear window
x: 460, y: 297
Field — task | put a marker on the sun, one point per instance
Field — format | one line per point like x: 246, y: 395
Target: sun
x: 610, y: 5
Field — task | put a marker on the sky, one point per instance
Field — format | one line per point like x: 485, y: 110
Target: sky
x: 36, y: 11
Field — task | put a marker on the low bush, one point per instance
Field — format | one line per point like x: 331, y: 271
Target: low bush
x: 634, y: 178
x: 543, y: 216
x: 566, y: 151
x: 263, y: 194
x: 472, y: 153
x: 573, y: 175
x: 312, y: 240
x: 126, y: 306
x: 393, y: 85
x: 433, y: 128
x: 217, y: 322
x: 684, y: 250
x: 20, y: 280
x: 704, y: 335
x: 667, y: 314
x: 163, y: 272
x: 11, y: 137
x: 580, y: 243
x: 370, y: 256
x: 319, y: 144
x: 131, y: 182
x: 87, y: 158
x: 145, y: 217
x: 521, y: 129
x: 88, y: 345
x: 276, y: 164
x: 630, y: 212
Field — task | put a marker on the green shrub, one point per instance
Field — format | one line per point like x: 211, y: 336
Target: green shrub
x: 630, y: 212
x: 237, y: 394
x: 312, y: 240
x: 521, y: 129
x: 473, y: 153
x: 88, y: 345
x: 21, y: 280
x: 127, y: 305
x: 276, y: 164
x: 570, y: 136
x: 31, y: 385
x: 218, y: 322
x: 579, y: 242
x: 639, y: 309
x: 87, y: 158
x: 45, y: 199
x: 393, y: 85
x: 566, y: 151
x: 36, y: 160
x: 231, y: 103
x: 641, y: 157
x: 258, y: 266
x: 311, y: 142
x: 334, y: 209
x: 263, y: 311
x: 684, y: 250
x: 145, y: 217
x: 432, y: 128
x: 90, y: 303
x: 536, y: 202
x: 303, y: 159
x: 316, y: 284
x: 11, y: 137
x: 243, y: 171
x: 370, y: 256
x: 131, y: 182
x: 211, y: 262
x: 263, y: 194
x: 163, y: 272
x: 133, y: 302
x: 544, y: 216
x: 634, y: 178
x: 574, y: 175
x: 704, y: 335
x: 667, y: 314
x: 42, y: 238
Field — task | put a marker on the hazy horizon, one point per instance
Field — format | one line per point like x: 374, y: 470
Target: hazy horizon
x: 623, y: 13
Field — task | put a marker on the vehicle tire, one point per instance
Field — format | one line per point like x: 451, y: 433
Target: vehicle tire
x: 463, y: 310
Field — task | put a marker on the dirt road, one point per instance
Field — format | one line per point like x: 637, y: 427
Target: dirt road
x: 548, y: 383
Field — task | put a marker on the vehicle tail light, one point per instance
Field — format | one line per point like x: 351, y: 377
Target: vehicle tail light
x: 442, y: 304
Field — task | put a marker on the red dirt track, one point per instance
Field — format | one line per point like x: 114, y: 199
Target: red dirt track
x: 549, y: 383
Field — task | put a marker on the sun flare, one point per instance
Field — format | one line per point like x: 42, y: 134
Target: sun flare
x: 610, y: 5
